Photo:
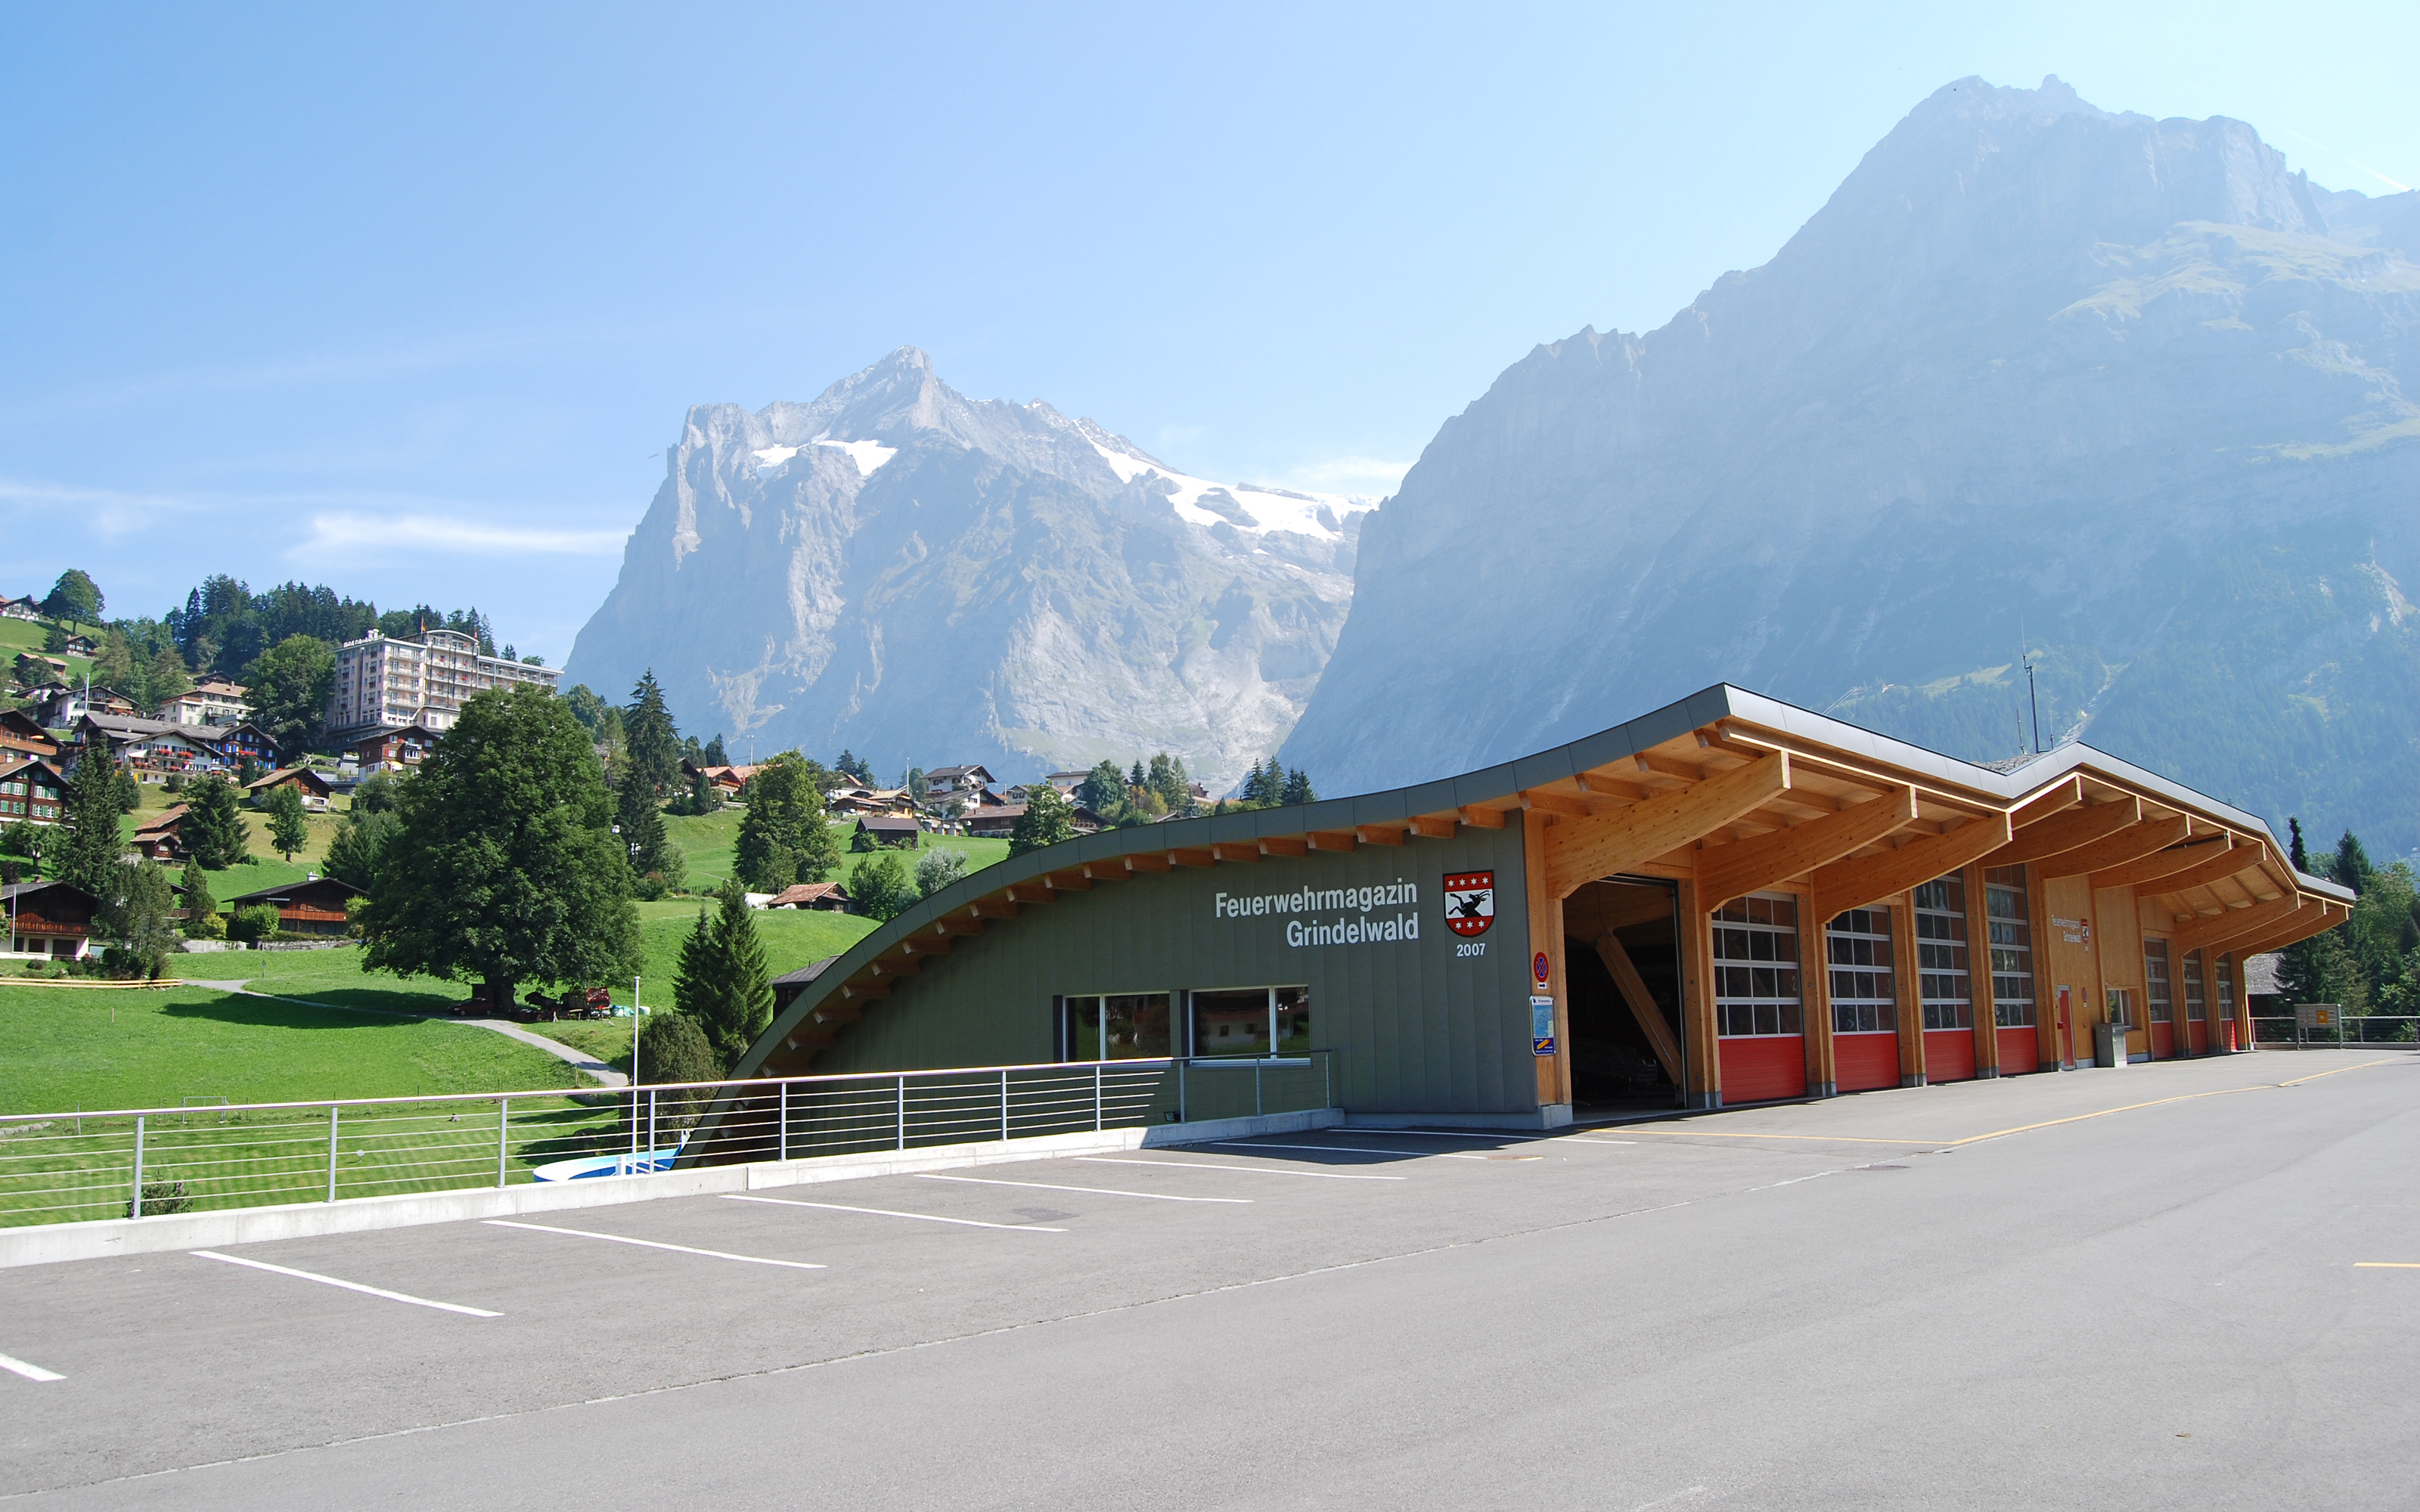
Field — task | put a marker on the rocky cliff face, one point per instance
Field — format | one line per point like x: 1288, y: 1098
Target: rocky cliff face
x: 922, y: 579
x: 2123, y: 393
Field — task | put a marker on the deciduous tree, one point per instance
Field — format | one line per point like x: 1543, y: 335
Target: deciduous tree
x: 289, y: 827
x: 74, y: 597
x: 784, y: 838
x: 882, y: 887
x: 1046, y: 821
x: 504, y: 865
x: 288, y: 686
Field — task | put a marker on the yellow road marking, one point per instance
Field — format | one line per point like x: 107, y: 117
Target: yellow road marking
x: 2002, y: 1133
x: 2386, y: 1265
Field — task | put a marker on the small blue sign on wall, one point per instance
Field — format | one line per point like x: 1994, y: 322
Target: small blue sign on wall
x: 1542, y: 1026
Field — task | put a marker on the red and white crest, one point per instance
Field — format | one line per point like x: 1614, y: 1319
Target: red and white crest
x: 1470, y: 902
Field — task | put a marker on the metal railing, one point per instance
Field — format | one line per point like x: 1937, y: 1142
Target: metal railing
x: 2286, y: 1031
x: 58, y: 1167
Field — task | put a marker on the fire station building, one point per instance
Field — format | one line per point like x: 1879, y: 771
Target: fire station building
x: 1726, y: 901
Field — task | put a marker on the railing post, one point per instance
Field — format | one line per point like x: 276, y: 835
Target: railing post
x: 1003, y: 1107
x: 903, y: 1112
x: 504, y: 1115
x: 332, y: 1151
x: 782, y: 1139
x: 651, y: 1156
x: 1096, y: 1097
x: 1326, y: 1080
x: 1180, y: 1089
x: 136, y: 1211
x: 1256, y: 1088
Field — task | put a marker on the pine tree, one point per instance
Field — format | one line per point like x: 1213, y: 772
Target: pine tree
x: 88, y: 854
x: 135, y: 912
x: 642, y: 824
x: 650, y: 744
x: 784, y: 838
x: 2350, y: 865
x: 202, y: 921
x: 712, y: 754
x: 2294, y: 851
x: 723, y: 981
x: 1135, y: 778
x: 1297, y: 788
x: 1168, y: 779
x: 213, y: 831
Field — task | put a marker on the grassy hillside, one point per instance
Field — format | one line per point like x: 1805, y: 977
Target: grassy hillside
x: 708, y: 841
x: 267, y: 868
x: 26, y: 634
x: 66, y: 1048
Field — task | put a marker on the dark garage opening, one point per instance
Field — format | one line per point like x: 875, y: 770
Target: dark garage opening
x: 1615, y: 932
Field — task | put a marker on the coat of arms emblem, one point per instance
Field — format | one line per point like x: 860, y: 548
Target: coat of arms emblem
x: 1470, y: 902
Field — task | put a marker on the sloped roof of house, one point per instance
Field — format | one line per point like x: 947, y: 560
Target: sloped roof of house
x: 798, y: 893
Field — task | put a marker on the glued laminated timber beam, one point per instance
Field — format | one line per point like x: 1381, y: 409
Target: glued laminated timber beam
x: 1734, y: 870
x: 1581, y: 850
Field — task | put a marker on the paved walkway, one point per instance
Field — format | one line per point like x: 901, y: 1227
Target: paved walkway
x: 580, y: 1059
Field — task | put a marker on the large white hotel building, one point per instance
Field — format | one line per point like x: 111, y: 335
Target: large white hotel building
x: 386, y: 683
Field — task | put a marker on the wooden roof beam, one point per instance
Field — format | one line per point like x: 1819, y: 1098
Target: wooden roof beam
x: 1106, y: 870
x: 1741, y: 868
x: 1856, y: 881
x: 2059, y: 796
x: 2047, y: 838
x: 2129, y: 844
x: 2299, y: 928
x: 1580, y: 850
x: 1029, y: 892
x: 1433, y: 827
x: 1068, y: 881
x: 2201, y: 931
x: 2176, y: 861
x: 1555, y: 803
x: 1151, y: 861
x: 1192, y: 856
x: 1602, y: 784
x: 1001, y: 907
x: 1379, y: 834
x: 1331, y: 839
x: 1237, y: 851
x: 1483, y: 818
x: 1291, y: 845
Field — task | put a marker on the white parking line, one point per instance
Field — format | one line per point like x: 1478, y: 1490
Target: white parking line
x: 31, y: 1372
x: 1442, y: 1134
x: 886, y: 1213
x: 650, y: 1244
x: 1095, y: 1191
x: 1250, y: 1170
x: 348, y: 1286
x: 1349, y: 1150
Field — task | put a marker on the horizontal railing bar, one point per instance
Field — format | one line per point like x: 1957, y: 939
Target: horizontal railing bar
x: 616, y: 1095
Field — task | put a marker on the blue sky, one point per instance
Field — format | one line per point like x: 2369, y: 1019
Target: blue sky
x: 409, y: 301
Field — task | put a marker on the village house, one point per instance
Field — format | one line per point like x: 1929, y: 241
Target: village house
x: 21, y: 735
x: 399, y: 749
x: 38, y: 671
x: 887, y: 832
x: 247, y: 742
x: 312, y: 787
x: 998, y: 824
x: 725, y: 781
x: 151, y: 750
x: 821, y: 897
x: 315, y: 905
x: 162, y: 838
x: 49, y: 919
x: 59, y: 705
x: 945, y: 782
x: 212, y: 700
x: 27, y: 607
x: 82, y: 646
x: 31, y: 790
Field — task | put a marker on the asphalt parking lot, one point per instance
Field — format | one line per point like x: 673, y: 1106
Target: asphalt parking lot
x: 2188, y: 1284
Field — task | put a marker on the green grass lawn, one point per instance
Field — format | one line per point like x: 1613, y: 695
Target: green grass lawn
x: 708, y: 841
x: 64, y: 1048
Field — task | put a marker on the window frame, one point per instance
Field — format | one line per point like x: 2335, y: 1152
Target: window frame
x: 2009, y: 943
x: 1944, y: 959
x: 1777, y: 1015
x: 1277, y: 1055
x: 1864, y: 991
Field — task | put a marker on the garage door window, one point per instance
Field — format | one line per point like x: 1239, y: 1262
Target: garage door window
x: 2196, y: 1009
x: 2157, y: 991
x: 1756, y: 965
x: 1940, y: 959
x: 2012, y: 947
x: 1137, y: 1026
x: 2225, y: 973
x: 1865, y: 996
x: 1252, y: 1022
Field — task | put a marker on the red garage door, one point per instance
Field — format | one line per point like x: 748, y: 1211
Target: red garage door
x: 2196, y: 1008
x: 1945, y: 980
x: 2158, y: 995
x: 1762, y: 1042
x: 1864, y: 1000
x: 2012, y: 969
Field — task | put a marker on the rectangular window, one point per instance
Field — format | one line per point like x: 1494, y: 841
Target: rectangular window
x: 1251, y: 1021
x: 2196, y: 1009
x: 1942, y: 968
x: 2157, y: 991
x: 1138, y: 1026
x: 2012, y: 947
x: 2225, y: 973
x: 2121, y: 1007
x: 1865, y: 994
x: 1756, y: 965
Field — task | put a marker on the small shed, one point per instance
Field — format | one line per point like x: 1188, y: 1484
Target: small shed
x: 163, y: 837
x: 312, y: 787
x: 821, y: 897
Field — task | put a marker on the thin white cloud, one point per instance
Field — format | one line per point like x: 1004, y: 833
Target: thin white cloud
x: 1351, y: 474
x: 109, y: 512
x: 341, y: 536
x: 2396, y: 185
